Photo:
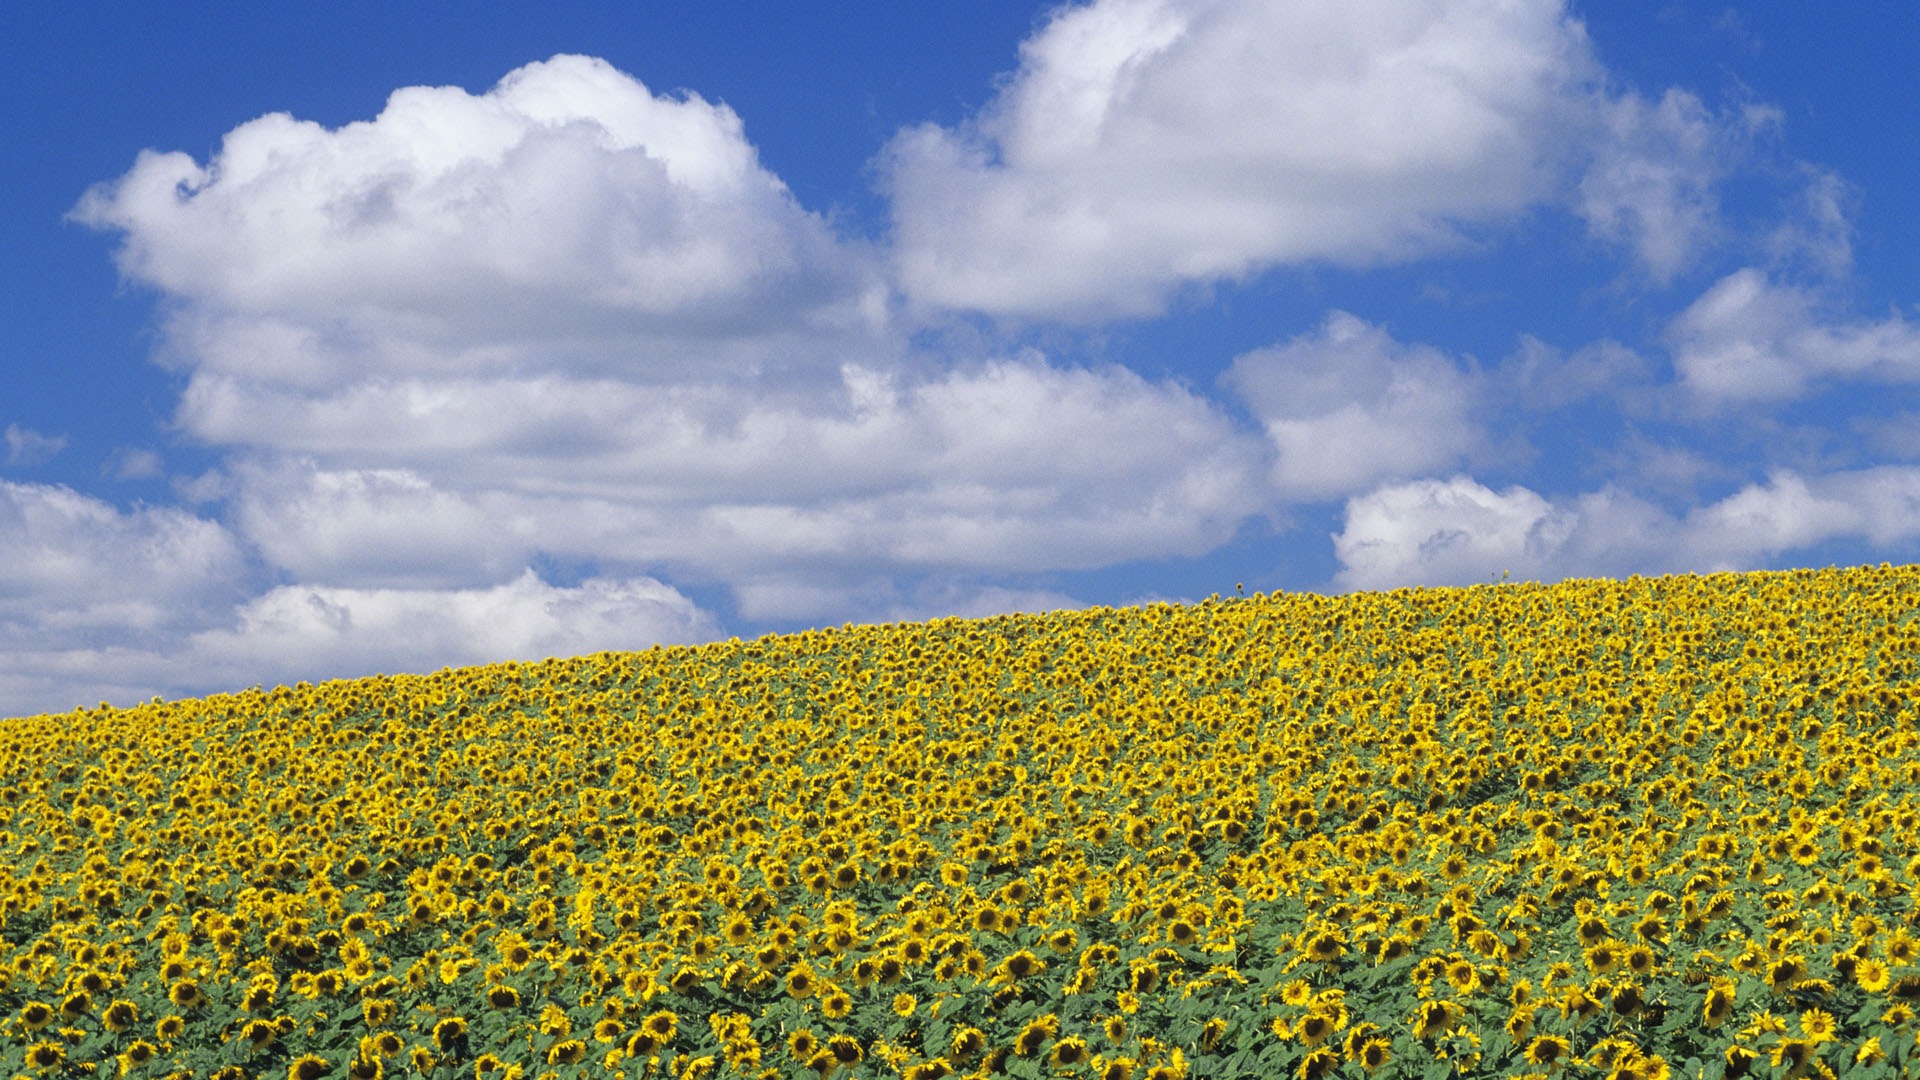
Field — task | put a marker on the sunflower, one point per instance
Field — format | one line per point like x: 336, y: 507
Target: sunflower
x: 1872, y: 975
x: 1035, y: 1035
x: 1434, y: 1017
x: 1143, y: 976
x: 567, y: 1052
x: 258, y: 1034
x: 1627, y: 999
x: 1602, y: 957
x: 1020, y: 965
x: 1782, y: 973
x: 1325, y: 947
x: 1548, y: 1050
x: 1640, y: 960
x: 1314, y: 1028
x: 307, y: 1067
x: 1463, y: 976
x: 1375, y: 1053
x: 185, y: 994
x: 36, y: 1015
x: 846, y: 1049
x: 137, y: 1053
x: 800, y: 982
x: 1794, y: 1055
x: 836, y: 1005
x: 967, y: 1043
x: 1739, y: 1060
x: 366, y: 1068
x: 1718, y: 1005
x: 1817, y: 1025
x: 449, y: 1034
x: 1319, y: 1062
x: 1068, y: 1053
x: 661, y: 1025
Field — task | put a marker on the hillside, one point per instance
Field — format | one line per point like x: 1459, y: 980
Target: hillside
x: 1599, y: 828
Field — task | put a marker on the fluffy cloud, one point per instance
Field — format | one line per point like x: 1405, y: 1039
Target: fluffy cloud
x: 312, y: 632
x: 570, y: 318
x: 76, y: 569
x: 1460, y: 532
x: 1009, y: 467
x: 99, y: 603
x: 1147, y: 143
x: 86, y: 589
x: 567, y: 218
x: 1348, y: 407
x: 1748, y: 339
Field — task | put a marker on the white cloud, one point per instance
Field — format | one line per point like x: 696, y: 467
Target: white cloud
x: 133, y: 464
x: 1347, y: 407
x: 99, y: 603
x: 1818, y: 231
x: 1143, y: 144
x: 1460, y: 532
x: 314, y: 632
x: 568, y: 317
x: 26, y: 446
x: 567, y: 218
x: 87, y: 590
x: 1748, y: 339
x: 1015, y: 466
x: 1451, y: 532
x: 1652, y: 186
x: 1541, y: 377
x: 75, y: 569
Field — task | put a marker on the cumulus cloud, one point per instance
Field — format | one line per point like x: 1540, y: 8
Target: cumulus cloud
x: 571, y: 318
x: 566, y: 218
x: 1143, y: 144
x: 1014, y: 466
x: 315, y: 632
x: 1458, y: 531
x: 75, y: 568
x: 99, y: 603
x: 1749, y: 339
x: 102, y: 603
x: 87, y: 589
x: 1347, y: 407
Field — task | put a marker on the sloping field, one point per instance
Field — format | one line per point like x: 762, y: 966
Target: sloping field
x: 1595, y: 829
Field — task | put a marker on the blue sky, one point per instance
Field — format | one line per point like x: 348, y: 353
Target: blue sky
x: 363, y: 339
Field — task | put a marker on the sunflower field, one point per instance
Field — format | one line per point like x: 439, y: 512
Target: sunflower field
x: 1647, y: 828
